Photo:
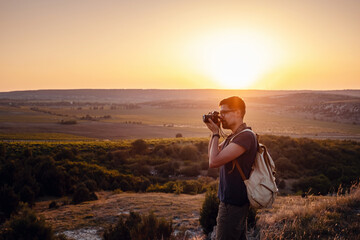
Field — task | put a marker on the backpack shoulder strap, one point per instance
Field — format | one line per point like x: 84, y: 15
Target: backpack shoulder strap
x: 234, y: 162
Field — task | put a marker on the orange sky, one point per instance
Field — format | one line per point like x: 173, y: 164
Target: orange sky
x: 180, y: 44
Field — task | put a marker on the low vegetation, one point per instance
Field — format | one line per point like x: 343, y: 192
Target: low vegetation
x: 314, y: 217
x: 29, y: 170
x: 25, y: 224
x: 137, y: 227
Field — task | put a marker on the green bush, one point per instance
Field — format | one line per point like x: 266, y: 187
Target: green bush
x: 209, y: 212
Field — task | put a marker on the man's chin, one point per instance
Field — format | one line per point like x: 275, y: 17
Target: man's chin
x: 224, y: 126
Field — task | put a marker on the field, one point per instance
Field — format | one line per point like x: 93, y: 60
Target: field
x: 131, y: 114
x: 153, y: 122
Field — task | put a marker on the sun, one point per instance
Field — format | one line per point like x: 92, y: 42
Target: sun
x: 236, y: 60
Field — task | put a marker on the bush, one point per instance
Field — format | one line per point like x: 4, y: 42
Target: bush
x: 282, y: 184
x: 213, y: 172
x: 27, y: 195
x: 53, y: 204
x: 319, y: 184
x: 192, y: 187
x: 9, y: 201
x: 191, y: 171
x: 68, y: 122
x: 189, y: 152
x: 209, y: 211
x: 26, y: 225
x: 135, y: 226
x: 139, y: 146
x: 83, y: 194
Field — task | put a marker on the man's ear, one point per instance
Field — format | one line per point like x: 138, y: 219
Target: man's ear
x: 239, y: 113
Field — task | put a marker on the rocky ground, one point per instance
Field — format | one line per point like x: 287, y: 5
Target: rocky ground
x: 88, y: 220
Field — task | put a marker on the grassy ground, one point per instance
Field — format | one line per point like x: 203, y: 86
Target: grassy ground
x: 291, y: 217
x: 313, y: 217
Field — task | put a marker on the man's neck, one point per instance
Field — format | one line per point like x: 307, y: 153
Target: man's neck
x: 238, y: 127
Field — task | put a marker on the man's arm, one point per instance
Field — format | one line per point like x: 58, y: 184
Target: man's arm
x: 218, y: 158
x: 219, y: 145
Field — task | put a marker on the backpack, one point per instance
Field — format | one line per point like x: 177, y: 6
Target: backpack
x: 261, y: 187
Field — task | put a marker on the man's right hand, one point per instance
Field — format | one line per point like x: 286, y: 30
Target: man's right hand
x: 213, y: 127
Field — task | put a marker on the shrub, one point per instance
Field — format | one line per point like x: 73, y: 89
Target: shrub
x: 319, y: 184
x: 191, y: 171
x: 179, y: 135
x: 209, y: 211
x: 9, y: 201
x: 83, y: 194
x: 178, y: 188
x: 135, y: 226
x: 26, y: 225
x: 213, y: 172
x: 282, y: 184
x: 27, y: 195
x: 189, y: 152
x: 119, y: 231
x: 139, y: 146
x: 192, y: 187
x: 333, y: 173
x: 68, y: 122
x: 118, y: 158
x: 53, y: 204
x: 204, y: 165
x: 165, y: 169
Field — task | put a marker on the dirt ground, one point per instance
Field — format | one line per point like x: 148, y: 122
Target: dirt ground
x: 182, y: 209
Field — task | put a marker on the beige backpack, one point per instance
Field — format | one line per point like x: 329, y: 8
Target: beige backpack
x: 261, y: 187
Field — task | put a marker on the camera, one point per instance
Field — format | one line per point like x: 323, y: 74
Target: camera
x: 214, y: 116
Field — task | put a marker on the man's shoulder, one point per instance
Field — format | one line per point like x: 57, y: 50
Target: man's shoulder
x: 247, y: 133
x: 245, y: 139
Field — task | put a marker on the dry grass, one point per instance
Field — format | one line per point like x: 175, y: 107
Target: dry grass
x: 182, y: 209
x: 314, y: 217
x: 292, y: 217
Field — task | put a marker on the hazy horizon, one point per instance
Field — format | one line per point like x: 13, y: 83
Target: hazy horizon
x: 220, y: 89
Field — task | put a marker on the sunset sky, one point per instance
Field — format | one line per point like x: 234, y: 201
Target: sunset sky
x: 170, y: 44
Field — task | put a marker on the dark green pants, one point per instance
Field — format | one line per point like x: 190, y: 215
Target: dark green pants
x: 231, y: 222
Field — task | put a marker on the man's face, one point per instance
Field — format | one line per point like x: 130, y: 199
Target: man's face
x: 228, y: 116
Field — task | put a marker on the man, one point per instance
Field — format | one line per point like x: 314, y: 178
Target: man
x: 234, y: 204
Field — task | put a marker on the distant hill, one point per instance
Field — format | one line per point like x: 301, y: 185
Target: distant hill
x: 275, y: 112
x: 342, y: 106
x: 136, y: 95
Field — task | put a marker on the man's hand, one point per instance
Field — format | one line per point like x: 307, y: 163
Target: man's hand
x: 213, y: 127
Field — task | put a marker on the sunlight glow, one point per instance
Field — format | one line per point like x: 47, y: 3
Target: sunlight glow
x: 236, y: 60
